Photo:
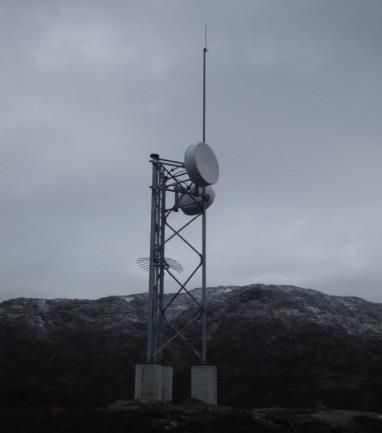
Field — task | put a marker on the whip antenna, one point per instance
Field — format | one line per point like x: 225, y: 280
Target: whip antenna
x: 205, y: 49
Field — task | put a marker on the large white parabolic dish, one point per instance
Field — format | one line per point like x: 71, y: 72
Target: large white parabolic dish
x: 201, y: 164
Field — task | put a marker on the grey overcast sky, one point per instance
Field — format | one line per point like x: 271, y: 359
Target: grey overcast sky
x: 90, y: 88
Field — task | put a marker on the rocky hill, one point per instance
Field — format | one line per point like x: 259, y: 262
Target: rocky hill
x: 273, y: 345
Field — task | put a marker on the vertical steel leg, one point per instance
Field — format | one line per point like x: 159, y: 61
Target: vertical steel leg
x: 162, y: 212
x: 204, y: 283
x: 151, y: 309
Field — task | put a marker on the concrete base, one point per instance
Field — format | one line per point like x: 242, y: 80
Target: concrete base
x: 204, y: 383
x: 153, y: 382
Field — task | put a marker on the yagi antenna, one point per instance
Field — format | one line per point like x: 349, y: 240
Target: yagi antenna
x: 205, y: 49
x: 167, y: 262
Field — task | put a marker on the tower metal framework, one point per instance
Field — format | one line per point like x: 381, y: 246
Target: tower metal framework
x: 171, y: 178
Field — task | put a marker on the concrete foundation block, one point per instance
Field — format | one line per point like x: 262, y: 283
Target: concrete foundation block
x: 167, y: 375
x: 204, y: 383
x: 153, y: 382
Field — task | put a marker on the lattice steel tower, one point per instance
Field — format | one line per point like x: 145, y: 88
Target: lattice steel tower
x: 185, y: 186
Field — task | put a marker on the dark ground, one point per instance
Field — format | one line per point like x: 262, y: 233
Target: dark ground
x: 185, y: 417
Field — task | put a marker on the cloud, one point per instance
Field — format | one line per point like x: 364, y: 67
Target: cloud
x: 90, y: 89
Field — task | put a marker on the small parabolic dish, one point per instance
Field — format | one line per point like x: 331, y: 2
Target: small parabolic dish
x: 201, y: 164
x: 191, y: 202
